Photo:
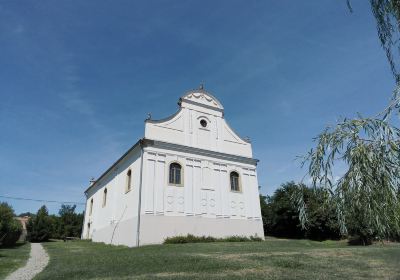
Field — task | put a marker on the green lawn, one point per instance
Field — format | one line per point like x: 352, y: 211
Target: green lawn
x: 272, y: 259
x: 13, y: 258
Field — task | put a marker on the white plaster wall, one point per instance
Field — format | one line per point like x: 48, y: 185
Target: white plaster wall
x: 204, y: 205
x: 116, y: 222
x: 206, y: 186
x: 154, y: 229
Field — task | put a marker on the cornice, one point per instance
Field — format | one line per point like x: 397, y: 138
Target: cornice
x: 198, y: 151
x: 200, y: 104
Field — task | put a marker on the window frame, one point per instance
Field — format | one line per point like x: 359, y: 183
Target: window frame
x: 105, y: 192
x: 239, y: 181
x: 169, y: 173
x: 128, y: 183
x: 88, y: 231
x: 207, y: 120
x: 91, y: 207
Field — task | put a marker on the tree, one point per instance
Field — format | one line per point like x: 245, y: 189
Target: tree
x: 42, y: 226
x: 70, y: 224
x: 366, y: 197
x: 281, y: 217
x: 322, y: 222
x: 265, y: 211
x: 39, y: 227
x: 10, y: 229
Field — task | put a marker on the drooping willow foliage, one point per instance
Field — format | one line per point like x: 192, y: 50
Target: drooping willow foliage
x: 387, y: 15
x: 367, y: 195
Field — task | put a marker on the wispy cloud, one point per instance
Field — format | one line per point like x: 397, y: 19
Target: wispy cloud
x: 74, y: 98
x: 74, y: 101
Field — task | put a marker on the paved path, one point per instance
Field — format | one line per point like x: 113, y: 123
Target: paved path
x: 38, y: 260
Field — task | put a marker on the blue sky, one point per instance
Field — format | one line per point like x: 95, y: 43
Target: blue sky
x: 77, y: 79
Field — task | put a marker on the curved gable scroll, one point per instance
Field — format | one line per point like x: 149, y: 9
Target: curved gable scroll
x: 201, y: 98
x: 174, y: 122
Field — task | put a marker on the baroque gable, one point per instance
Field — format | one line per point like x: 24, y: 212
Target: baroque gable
x: 199, y: 123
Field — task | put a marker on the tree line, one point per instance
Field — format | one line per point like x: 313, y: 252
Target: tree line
x: 41, y: 226
x: 281, y: 217
x: 280, y: 214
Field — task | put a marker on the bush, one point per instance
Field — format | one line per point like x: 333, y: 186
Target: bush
x: 10, y: 229
x: 13, y: 234
x: 236, y: 238
x: 181, y: 239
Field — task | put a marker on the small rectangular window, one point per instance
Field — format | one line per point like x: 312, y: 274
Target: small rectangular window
x: 88, y: 231
x: 128, y: 181
x: 175, y: 173
x: 91, y: 207
x: 105, y: 197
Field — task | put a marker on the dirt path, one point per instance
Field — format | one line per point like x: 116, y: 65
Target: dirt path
x: 37, y: 261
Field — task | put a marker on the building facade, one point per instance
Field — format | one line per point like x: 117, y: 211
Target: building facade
x: 190, y: 174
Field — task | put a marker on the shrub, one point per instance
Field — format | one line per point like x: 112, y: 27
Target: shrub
x: 181, y: 239
x: 236, y: 238
x: 13, y: 234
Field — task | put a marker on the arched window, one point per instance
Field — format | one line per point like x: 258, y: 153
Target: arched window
x: 91, y: 207
x: 128, y: 181
x: 235, y: 181
x: 88, y: 231
x: 105, y: 197
x: 175, y: 172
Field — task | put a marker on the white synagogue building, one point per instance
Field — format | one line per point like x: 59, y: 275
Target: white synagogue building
x: 190, y: 174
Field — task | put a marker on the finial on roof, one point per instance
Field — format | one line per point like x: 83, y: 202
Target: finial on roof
x: 201, y: 86
x: 92, y: 181
x: 247, y: 139
x: 148, y: 116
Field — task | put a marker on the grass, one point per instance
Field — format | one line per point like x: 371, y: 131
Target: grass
x: 13, y: 258
x: 272, y: 259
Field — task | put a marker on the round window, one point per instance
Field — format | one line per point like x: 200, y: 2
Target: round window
x: 203, y: 123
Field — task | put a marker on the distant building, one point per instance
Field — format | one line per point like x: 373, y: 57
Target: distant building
x: 190, y: 174
x: 24, y: 221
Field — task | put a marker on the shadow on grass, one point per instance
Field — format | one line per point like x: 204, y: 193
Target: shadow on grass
x: 15, y: 246
x: 47, y: 241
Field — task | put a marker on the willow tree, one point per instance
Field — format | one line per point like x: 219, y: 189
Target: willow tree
x: 367, y: 194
